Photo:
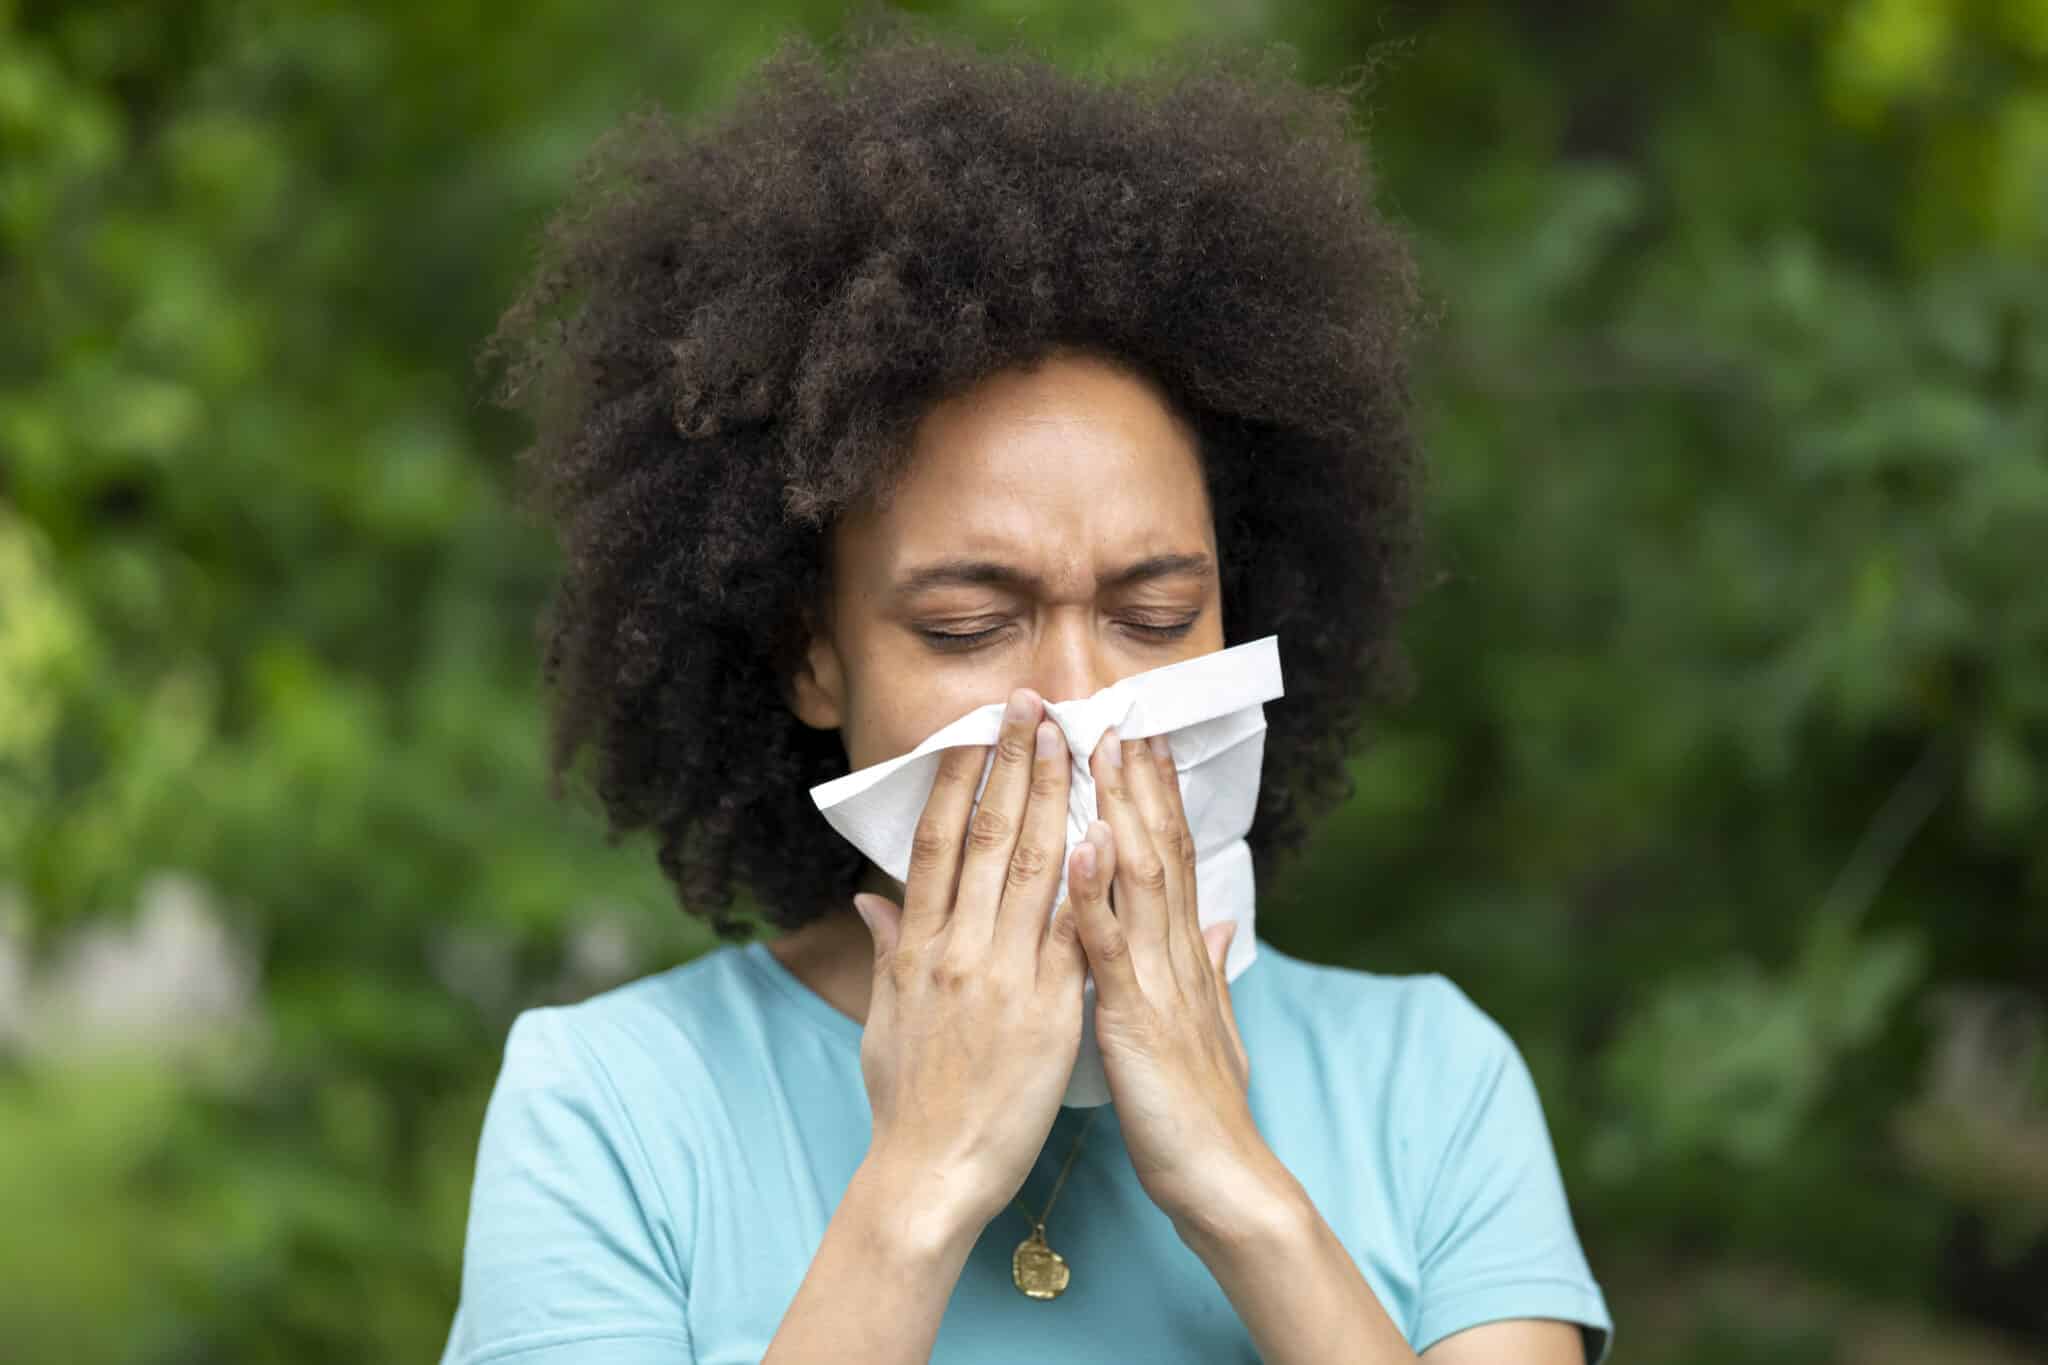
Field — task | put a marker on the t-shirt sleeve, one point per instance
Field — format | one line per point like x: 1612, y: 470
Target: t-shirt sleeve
x: 570, y: 1254
x: 1495, y: 1237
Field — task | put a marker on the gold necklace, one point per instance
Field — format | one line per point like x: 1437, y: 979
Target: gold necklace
x: 1036, y: 1269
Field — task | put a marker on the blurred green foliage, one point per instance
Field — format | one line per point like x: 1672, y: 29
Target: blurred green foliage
x: 1728, y: 758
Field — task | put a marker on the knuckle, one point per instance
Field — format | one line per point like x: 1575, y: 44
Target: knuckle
x: 1115, y: 946
x: 958, y: 767
x: 1148, y: 874
x: 950, y: 975
x: 1014, y: 748
x: 1026, y: 863
x: 927, y: 849
x: 988, y: 829
x: 1048, y: 781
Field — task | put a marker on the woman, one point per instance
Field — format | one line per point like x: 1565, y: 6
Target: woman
x: 928, y: 380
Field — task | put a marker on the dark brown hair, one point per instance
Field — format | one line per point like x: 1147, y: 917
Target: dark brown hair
x: 734, y: 327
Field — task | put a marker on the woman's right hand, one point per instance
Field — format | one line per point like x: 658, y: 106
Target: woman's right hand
x: 974, y: 1016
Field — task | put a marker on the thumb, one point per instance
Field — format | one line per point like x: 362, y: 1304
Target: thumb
x: 1218, y: 937
x: 883, y: 917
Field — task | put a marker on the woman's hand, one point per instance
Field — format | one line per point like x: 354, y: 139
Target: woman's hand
x: 974, y: 1019
x: 1177, y: 1069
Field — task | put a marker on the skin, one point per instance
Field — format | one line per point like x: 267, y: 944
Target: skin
x: 1035, y: 473
x: 1058, y: 518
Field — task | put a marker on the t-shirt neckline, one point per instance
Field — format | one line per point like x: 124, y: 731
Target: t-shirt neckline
x: 828, y: 1017
x: 807, y: 1001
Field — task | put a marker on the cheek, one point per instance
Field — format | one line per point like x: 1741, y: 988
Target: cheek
x: 889, y: 718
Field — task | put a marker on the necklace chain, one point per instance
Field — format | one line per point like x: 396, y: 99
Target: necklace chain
x: 1039, y: 1221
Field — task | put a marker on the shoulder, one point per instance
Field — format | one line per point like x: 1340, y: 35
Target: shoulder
x: 695, y: 1007
x: 604, y: 1094
x: 1406, y: 1063
x: 1424, y: 1017
x: 583, y: 1206
x: 635, y: 1061
x: 1418, y: 1082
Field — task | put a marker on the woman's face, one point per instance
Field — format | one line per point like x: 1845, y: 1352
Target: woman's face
x: 1056, y: 520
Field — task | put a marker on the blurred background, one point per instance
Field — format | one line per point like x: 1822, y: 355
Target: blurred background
x: 1724, y: 786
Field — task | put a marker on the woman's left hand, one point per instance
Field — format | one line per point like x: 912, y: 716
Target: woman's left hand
x: 1177, y: 1068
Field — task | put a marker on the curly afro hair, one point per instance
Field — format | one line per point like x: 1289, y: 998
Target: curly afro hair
x: 732, y: 330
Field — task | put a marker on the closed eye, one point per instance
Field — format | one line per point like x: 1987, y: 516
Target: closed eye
x: 956, y: 641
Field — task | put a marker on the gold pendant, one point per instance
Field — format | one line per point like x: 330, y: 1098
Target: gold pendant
x: 1037, y: 1269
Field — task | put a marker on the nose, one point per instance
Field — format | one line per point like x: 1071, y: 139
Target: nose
x: 1069, y: 664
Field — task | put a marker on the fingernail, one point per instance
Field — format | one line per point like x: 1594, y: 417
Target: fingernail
x: 1048, y: 739
x: 860, y: 908
x: 1084, y: 859
x: 1114, y: 751
x: 1019, y: 710
x: 1160, y: 748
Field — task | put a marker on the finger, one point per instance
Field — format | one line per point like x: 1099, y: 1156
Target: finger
x: 1150, y: 788
x: 1219, y: 938
x: 1140, y: 880
x: 1216, y: 940
x: 1062, y: 960
x: 884, y: 919
x: 1090, y: 870
x: 1035, y: 862
x: 935, y: 847
x: 1169, y: 787
x: 992, y: 829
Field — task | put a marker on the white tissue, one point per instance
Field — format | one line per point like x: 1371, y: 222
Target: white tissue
x: 1210, y: 709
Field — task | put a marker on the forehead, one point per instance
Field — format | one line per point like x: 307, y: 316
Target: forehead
x: 1069, y: 469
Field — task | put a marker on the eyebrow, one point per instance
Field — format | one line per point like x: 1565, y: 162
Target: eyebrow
x: 994, y: 573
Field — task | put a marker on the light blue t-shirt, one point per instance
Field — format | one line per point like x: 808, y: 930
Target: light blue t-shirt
x: 658, y: 1164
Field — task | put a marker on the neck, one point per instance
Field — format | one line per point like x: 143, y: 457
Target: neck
x: 834, y: 955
